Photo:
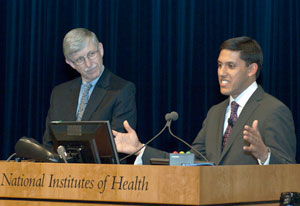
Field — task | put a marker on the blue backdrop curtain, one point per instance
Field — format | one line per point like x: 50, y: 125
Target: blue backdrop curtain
x: 168, y: 48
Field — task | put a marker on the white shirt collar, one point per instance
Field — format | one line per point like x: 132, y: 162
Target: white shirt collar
x: 243, y: 98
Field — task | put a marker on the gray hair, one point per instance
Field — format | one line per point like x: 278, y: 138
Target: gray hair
x: 76, y: 39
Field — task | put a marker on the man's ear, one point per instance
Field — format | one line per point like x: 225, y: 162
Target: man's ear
x: 252, y: 69
x: 70, y: 63
x: 101, y: 49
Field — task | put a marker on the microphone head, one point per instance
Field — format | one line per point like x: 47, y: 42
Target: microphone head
x: 61, y: 149
x: 32, y: 149
x: 174, y: 115
x: 168, y: 116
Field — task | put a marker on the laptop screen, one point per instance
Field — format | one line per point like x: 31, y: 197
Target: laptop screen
x: 85, y: 141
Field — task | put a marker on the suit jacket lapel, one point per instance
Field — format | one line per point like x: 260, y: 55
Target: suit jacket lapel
x: 220, y: 127
x: 74, y: 90
x: 97, y: 95
x: 237, y: 130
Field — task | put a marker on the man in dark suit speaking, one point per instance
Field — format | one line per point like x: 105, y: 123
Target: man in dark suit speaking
x: 98, y: 94
x: 250, y: 127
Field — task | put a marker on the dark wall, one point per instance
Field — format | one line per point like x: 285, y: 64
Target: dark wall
x: 168, y: 48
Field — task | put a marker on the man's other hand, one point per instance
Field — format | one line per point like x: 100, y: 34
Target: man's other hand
x: 127, y: 143
x: 257, y: 147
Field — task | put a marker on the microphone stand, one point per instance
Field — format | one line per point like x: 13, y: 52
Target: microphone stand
x: 166, y: 125
x: 184, y: 142
x: 173, y: 116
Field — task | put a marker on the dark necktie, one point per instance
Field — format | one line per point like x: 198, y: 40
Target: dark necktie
x: 84, y: 100
x: 231, y: 122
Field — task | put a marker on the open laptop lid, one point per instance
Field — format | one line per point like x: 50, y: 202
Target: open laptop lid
x: 85, y: 141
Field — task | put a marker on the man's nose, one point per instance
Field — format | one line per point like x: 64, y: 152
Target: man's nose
x: 87, y: 62
x: 222, y: 70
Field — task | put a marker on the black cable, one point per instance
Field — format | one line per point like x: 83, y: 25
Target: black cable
x: 190, y: 146
x: 146, y: 142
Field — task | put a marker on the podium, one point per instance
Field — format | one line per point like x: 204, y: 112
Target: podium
x: 29, y: 183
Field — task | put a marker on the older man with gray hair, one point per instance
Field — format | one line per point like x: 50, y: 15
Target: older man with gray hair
x: 97, y: 94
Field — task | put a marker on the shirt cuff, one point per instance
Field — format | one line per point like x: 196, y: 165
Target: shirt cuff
x: 267, y: 162
x: 138, y: 159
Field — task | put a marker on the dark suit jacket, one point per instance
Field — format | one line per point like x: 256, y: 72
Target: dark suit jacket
x: 113, y: 99
x: 275, y: 123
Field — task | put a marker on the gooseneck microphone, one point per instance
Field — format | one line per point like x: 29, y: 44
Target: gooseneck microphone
x: 62, y: 153
x: 187, y: 144
x: 172, y: 116
x: 11, y: 156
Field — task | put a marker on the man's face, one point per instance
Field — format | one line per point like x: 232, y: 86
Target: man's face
x: 88, y: 61
x: 233, y: 74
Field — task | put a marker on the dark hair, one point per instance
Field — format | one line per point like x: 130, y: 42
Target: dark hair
x: 249, y: 49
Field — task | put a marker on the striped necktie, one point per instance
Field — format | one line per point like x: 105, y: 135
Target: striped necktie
x: 84, y: 100
x: 231, y: 122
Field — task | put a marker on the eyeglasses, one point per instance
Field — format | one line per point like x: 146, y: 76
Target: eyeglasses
x: 91, y: 55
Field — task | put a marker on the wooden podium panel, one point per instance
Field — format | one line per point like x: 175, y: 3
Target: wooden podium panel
x: 240, y: 184
x: 50, y: 203
x: 96, y: 184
